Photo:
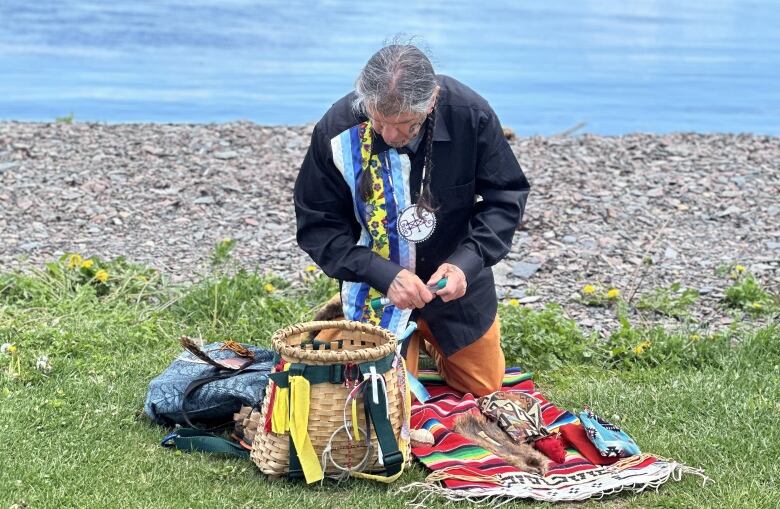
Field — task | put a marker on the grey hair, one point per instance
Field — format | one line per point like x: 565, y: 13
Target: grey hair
x: 398, y: 78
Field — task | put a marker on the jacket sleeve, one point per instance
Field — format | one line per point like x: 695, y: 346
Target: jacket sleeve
x: 326, y: 226
x: 504, y: 190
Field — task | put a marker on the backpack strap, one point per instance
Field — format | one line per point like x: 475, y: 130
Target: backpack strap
x: 375, y: 401
x: 221, y: 374
x: 191, y: 439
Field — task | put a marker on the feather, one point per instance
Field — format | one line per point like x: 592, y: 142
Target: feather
x: 191, y: 346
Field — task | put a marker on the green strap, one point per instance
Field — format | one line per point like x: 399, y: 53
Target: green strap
x: 295, y: 470
x: 331, y: 373
x: 391, y: 456
x: 191, y: 439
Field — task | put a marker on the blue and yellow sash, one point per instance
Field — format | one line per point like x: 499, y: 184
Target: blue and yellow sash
x: 377, y: 218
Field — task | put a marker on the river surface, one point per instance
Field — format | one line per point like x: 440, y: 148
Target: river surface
x: 608, y: 67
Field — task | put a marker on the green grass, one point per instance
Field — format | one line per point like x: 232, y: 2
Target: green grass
x: 72, y: 437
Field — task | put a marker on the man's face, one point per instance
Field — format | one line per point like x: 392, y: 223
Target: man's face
x: 397, y: 130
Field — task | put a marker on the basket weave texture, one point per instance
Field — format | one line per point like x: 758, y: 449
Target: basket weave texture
x: 356, y: 342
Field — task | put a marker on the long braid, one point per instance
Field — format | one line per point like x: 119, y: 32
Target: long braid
x: 426, y: 198
x: 364, y: 185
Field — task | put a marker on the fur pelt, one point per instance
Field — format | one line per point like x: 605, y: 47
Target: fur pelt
x: 488, y: 435
x: 331, y: 310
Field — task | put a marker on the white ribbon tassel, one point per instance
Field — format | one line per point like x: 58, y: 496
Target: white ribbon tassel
x: 374, y: 385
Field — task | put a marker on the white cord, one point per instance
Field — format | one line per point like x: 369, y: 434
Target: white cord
x: 327, y: 456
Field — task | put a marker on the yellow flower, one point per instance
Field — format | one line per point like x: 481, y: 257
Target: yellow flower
x: 269, y: 288
x: 311, y: 268
x: 588, y: 289
x: 756, y: 305
x: 514, y: 302
x: 86, y: 264
x: 740, y: 268
x: 641, y: 347
x: 101, y: 276
x: 695, y: 337
x: 142, y: 279
x: 12, y: 349
x: 226, y: 241
x: 613, y: 293
x: 74, y: 261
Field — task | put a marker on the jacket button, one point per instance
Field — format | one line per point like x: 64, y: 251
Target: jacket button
x: 422, y: 258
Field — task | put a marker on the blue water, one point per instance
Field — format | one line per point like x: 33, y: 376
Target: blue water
x: 619, y: 67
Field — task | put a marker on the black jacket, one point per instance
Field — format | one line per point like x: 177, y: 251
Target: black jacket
x: 471, y: 158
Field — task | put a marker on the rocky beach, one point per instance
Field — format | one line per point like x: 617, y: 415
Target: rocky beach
x: 634, y: 212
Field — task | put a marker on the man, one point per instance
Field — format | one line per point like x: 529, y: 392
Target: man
x: 409, y: 180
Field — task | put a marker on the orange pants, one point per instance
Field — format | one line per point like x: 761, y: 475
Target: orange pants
x: 477, y: 368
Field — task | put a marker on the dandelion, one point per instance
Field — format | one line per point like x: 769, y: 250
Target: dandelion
x: 226, y: 241
x: 588, y: 289
x: 695, y: 337
x: 269, y: 288
x: 15, y: 366
x: 87, y: 264
x: 641, y: 347
x: 514, y: 302
x: 142, y: 278
x: 740, y: 269
x: 101, y: 276
x: 311, y: 268
x: 613, y: 293
x: 75, y: 261
x: 756, y: 305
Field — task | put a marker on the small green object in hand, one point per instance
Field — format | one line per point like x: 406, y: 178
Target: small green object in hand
x: 381, y: 302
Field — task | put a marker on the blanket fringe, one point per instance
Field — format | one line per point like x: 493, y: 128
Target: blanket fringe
x: 496, y: 497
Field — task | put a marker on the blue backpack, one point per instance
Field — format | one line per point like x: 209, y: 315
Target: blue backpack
x: 205, y: 386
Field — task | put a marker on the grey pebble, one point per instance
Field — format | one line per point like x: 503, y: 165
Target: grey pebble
x: 228, y: 154
x: 525, y: 269
x: 569, y: 239
x: 8, y: 166
x: 517, y: 293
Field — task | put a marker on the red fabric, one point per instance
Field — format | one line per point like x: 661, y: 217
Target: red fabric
x: 272, y: 386
x: 552, y: 447
x: 269, y: 410
x: 574, y: 435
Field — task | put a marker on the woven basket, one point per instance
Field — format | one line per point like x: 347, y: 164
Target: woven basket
x: 356, y: 342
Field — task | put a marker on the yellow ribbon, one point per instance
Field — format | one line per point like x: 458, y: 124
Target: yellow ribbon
x: 299, y: 429
x: 355, y: 428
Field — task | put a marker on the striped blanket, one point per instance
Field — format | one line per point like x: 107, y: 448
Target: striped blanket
x: 462, y: 470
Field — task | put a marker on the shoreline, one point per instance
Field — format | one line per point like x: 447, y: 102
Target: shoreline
x: 164, y: 194
x: 576, y: 129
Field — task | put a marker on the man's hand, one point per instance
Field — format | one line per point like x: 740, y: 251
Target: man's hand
x: 456, y: 282
x: 408, y: 291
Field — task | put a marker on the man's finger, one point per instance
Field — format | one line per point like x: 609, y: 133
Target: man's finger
x: 440, y: 273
